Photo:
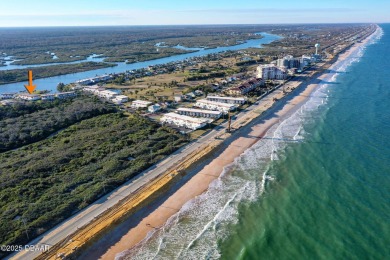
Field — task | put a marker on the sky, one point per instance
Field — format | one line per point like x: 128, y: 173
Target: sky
x: 22, y: 13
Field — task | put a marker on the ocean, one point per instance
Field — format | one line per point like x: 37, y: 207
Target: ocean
x: 317, y: 186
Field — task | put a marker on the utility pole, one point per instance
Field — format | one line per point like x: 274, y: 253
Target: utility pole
x: 229, y: 122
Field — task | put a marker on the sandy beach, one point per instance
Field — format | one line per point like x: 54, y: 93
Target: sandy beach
x: 244, y: 139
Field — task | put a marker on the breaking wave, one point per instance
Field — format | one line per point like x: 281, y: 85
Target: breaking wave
x: 202, y: 223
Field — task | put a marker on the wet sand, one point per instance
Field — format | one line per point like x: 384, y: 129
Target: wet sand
x: 244, y: 139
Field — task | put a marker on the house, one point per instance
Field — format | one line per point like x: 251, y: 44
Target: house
x: 184, y: 121
x: 29, y: 97
x: 140, y: 104
x: 63, y: 95
x: 120, y: 99
x: 48, y: 97
x: 198, y: 92
x: 154, y: 108
x: 190, y: 95
x: 199, y: 112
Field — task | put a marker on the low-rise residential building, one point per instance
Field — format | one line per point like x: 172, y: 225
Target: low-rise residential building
x: 190, y: 95
x: 154, y: 108
x: 140, y: 104
x: 184, y: 121
x: 246, y: 87
x: 178, y: 98
x: 90, y: 81
x: 48, y: 97
x: 271, y: 71
x: 63, y: 95
x: 198, y: 92
x: 218, y: 106
x: 93, y: 89
x: 107, y: 94
x: 229, y: 100
x: 120, y: 99
x: 8, y: 102
x: 29, y: 97
x: 199, y: 112
x: 7, y: 95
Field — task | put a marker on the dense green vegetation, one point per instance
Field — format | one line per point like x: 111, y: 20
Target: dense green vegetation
x: 44, y: 183
x: 32, y: 126
x: 24, y: 108
x: 10, y: 76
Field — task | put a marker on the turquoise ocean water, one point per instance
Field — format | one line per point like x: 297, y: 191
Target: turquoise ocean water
x: 316, y: 187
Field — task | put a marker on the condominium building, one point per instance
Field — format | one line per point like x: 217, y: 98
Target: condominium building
x: 120, y: 99
x: 7, y: 95
x: 245, y: 87
x: 63, y: 95
x: 29, y: 97
x: 94, y: 80
x: 184, y: 121
x: 218, y: 106
x: 229, y: 100
x: 271, y: 71
x: 199, y: 112
x: 289, y: 62
x: 140, y: 104
x: 48, y: 97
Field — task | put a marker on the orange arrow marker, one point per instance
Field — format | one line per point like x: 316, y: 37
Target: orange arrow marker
x: 30, y: 87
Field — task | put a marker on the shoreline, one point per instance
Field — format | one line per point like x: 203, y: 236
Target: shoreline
x: 244, y: 139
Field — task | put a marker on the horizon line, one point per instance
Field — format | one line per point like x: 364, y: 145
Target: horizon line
x: 216, y: 24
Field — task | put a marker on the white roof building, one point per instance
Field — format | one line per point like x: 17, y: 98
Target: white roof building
x: 7, y: 95
x: 218, y: 106
x: 66, y: 94
x: 199, y: 112
x: 154, y: 108
x: 271, y: 71
x: 48, y: 96
x: 119, y: 99
x: 29, y: 97
x: 230, y: 100
x: 108, y: 94
x: 178, y: 98
x: 140, y: 104
x: 184, y: 121
x: 8, y: 102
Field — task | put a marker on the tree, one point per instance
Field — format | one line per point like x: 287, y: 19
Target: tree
x: 61, y: 87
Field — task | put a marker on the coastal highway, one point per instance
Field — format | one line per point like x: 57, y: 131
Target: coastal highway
x: 63, y: 230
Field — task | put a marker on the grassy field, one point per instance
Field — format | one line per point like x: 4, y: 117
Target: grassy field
x: 164, y: 86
